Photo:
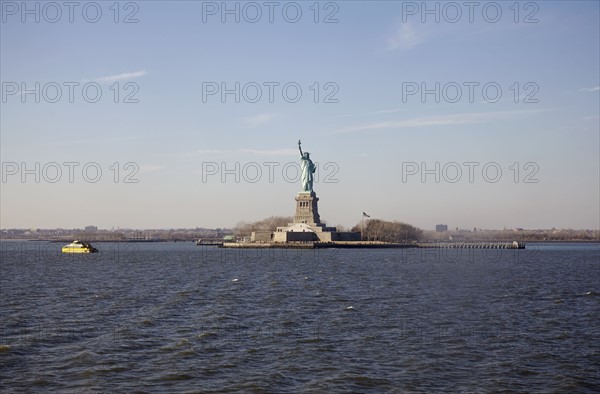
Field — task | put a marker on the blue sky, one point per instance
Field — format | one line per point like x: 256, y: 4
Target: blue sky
x: 366, y: 142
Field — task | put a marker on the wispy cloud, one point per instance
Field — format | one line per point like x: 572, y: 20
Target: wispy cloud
x: 447, y: 120
x: 385, y: 111
x: 119, y: 77
x: 271, y: 152
x: 405, y: 37
x: 95, y: 141
x: 257, y: 120
x: 146, y: 168
x: 211, y: 151
x: 594, y: 89
x: 258, y: 152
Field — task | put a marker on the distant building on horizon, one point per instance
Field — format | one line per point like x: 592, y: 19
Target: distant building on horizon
x: 440, y: 228
x: 90, y: 229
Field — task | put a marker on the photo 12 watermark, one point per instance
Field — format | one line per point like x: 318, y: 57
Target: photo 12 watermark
x: 68, y: 172
x: 214, y: 254
x: 69, y: 92
x: 473, y: 252
x: 469, y: 172
x: 271, y: 92
x: 436, y: 332
x: 270, y: 171
x: 69, y: 11
x: 470, y: 91
x: 270, y: 12
x: 470, y: 11
x: 51, y: 252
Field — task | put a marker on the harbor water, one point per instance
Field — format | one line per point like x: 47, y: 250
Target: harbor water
x: 176, y: 317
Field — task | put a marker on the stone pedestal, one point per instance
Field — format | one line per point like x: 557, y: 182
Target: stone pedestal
x: 307, y: 226
x: 307, y: 209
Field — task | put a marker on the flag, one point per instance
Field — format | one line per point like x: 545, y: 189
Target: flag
x: 365, y: 215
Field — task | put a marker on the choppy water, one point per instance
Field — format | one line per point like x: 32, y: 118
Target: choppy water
x: 177, y: 317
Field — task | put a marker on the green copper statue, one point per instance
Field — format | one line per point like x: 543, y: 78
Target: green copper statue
x: 307, y: 169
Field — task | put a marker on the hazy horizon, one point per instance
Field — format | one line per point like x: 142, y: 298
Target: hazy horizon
x: 174, y: 115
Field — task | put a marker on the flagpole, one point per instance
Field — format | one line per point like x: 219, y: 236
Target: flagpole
x: 362, y: 225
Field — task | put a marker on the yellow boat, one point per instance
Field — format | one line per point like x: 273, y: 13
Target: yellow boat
x: 79, y: 247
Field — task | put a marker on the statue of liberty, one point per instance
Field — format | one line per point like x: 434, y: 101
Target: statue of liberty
x: 307, y: 169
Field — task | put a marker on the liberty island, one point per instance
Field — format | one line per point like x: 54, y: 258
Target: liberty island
x: 307, y: 230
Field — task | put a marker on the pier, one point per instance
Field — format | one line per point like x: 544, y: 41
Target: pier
x: 210, y: 241
x: 473, y: 245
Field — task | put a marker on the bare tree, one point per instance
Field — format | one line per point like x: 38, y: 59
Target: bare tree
x: 268, y: 224
x: 381, y: 230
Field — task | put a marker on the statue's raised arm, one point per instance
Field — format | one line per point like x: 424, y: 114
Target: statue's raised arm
x: 300, y: 148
